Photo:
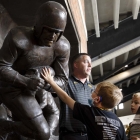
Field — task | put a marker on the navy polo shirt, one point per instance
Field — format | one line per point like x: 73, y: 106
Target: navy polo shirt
x: 81, y: 93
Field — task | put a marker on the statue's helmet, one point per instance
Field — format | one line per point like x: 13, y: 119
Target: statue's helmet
x: 50, y: 15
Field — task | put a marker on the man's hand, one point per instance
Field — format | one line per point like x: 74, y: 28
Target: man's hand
x: 134, y: 138
x: 35, y: 83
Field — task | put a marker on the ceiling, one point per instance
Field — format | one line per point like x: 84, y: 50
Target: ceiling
x: 113, y: 28
x: 114, y: 43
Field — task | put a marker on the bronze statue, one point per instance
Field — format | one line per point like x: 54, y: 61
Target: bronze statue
x: 26, y: 48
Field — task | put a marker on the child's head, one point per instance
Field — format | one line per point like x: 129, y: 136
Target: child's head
x: 107, y: 94
x: 135, y: 103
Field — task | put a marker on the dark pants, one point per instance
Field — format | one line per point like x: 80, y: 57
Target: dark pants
x: 72, y: 136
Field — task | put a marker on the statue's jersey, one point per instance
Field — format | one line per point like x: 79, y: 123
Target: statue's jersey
x: 38, y: 56
x: 20, y: 52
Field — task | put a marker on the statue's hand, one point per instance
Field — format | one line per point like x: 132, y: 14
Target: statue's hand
x: 35, y: 83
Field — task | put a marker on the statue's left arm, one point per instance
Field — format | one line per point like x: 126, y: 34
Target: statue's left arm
x: 60, y: 65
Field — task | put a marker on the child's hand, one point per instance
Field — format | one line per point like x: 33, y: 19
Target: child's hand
x: 134, y: 138
x: 47, y: 75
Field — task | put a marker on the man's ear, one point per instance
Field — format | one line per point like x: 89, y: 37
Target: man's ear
x: 75, y: 65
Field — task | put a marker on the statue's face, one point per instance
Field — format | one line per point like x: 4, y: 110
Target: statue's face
x: 48, y: 36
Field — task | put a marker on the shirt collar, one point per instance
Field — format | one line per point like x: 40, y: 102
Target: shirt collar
x: 79, y: 80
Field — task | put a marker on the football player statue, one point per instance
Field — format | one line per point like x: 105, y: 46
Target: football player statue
x: 25, y: 48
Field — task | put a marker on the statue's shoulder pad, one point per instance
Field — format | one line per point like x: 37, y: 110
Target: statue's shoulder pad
x: 21, y: 36
x: 63, y: 43
x: 20, y: 31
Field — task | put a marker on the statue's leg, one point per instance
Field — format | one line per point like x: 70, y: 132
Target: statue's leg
x: 50, y: 110
x: 28, y: 111
x: 3, y: 115
x: 51, y: 113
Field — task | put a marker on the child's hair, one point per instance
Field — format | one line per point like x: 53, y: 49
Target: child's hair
x: 136, y: 95
x: 110, y: 94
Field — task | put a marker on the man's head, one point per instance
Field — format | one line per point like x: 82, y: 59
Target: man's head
x: 107, y: 94
x: 135, y: 103
x: 81, y: 65
x: 50, y: 22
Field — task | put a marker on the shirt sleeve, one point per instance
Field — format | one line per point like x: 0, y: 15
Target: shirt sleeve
x: 8, y: 55
x: 80, y: 111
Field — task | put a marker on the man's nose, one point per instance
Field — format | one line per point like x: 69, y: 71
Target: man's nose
x: 52, y: 34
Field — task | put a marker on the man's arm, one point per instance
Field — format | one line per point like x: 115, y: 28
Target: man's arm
x: 61, y: 93
x: 9, y: 53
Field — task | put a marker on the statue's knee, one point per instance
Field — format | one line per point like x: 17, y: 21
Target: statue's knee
x: 45, y: 134
x: 40, y: 127
x: 3, y: 113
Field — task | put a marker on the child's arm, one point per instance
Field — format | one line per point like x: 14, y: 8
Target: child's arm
x: 134, y: 138
x: 62, y: 94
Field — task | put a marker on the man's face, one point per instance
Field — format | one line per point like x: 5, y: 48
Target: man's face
x: 135, y: 104
x: 48, y: 36
x: 83, y: 65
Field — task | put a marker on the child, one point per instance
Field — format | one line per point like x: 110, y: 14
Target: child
x: 134, y: 127
x: 101, y: 124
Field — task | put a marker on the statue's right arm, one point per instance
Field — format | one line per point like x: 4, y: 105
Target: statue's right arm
x: 9, y: 53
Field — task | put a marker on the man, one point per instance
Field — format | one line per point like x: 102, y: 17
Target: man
x: 80, y: 90
x: 25, y: 48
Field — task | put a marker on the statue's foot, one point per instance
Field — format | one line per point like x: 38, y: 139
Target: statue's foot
x: 53, y: 137
x: 3, y: 137
x: 5, y: 127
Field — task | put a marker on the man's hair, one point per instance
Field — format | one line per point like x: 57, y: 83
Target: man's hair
x: 136, y: 95
x: 110, y: 94
x: 76, y: 57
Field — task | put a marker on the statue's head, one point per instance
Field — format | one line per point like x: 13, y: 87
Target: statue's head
x: 50, y: 22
